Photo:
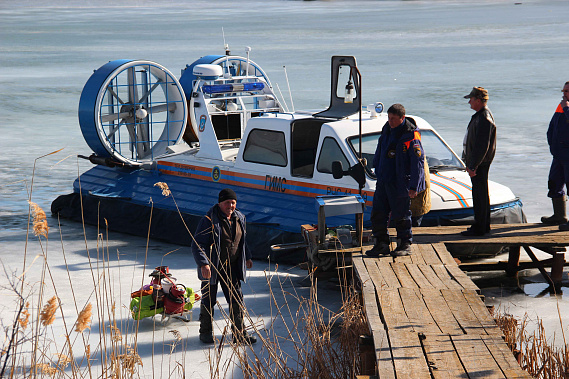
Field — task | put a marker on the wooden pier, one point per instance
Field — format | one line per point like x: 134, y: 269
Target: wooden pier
x: 548, y: 239
x: 427, y: 319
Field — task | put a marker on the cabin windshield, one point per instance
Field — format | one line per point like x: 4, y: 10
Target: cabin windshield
x: 439, y: 156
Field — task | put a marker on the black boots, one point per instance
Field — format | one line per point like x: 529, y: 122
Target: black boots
x: 206, y: 327
x: 244, y: 338
x: 380, y: 248
x: 236, y: 314
x: 403, y: 249
x: 240, y: 336
x: 559, y: 215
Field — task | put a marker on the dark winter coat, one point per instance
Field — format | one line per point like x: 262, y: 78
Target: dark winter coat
x: 408, y: 154
x: 558, y: 134
x: 207, y: 240
x: 480, y: 146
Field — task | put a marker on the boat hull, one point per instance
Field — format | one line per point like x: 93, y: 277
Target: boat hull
x: 128, y: 201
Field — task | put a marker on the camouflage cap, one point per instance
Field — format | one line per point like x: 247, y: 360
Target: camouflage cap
x: 478, y: 93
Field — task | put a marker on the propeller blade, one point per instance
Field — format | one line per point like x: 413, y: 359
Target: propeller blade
x: 162, y: 108
x: 114, y: 116
x: 145, y: 95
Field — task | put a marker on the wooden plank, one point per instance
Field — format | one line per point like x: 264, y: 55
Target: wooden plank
x: 368, y: 293
x: 417, y: 312
x: 429, y: 254
x: 502, y: 235
x: 403, y: 259
x: 463, y: 279
x: 417, y: 259
x: 444, y: 254
x: 417, y: 255
x: 446, y: 278
x: 504, y: 357
x: 371, y: 310
x: 408, y: 356
x: 440, y: 311
x: 476, y: 358
x: 392, y: 311
x: 462, y: 312
x: 388, y: 274
x: 375, y: 325
x: 432, y: 277
x: 442, y: 357
x: 418, y: 276
x: 482, y: 313
x: 403, y: 275
x: 361, y: 271
x: 385, y: 367
x: 378, y: 281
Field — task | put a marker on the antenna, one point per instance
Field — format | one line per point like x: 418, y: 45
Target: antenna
x: 247, y: 51
x: 290, y: 93
x: 284, y: 102
x: 227, y: 53
x: 225, y: 45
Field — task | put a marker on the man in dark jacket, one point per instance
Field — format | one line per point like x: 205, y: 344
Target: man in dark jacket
x: 399, y: 168
x: 479, y: 150
x: 222, y: 256
x: 558, y: 140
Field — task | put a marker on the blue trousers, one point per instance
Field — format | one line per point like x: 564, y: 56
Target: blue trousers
x: 558, y: 177
x: 388, y: 205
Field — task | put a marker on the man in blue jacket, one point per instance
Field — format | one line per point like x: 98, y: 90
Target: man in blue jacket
x: 222, y: 256
x: 399, y: 168
x: 558, y: 140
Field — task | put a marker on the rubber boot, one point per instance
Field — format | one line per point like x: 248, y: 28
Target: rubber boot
x: 206, y: 327
x: 403, y: 249
x: 240, y: 336
x: 559, y: 213
x: 380, y: 248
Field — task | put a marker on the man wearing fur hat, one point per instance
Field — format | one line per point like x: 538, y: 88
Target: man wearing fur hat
x: 222, y: 256
x: 479, y: 150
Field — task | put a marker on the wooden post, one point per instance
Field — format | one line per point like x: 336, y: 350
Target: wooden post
x: 359, y: 228
x: 539, y: 266
x: 321, y: 225
x: 366, y: 351
x: 557, y: 267
x: 513, y: 261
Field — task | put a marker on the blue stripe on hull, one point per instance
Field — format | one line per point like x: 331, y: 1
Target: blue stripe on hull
x: 284, y: 212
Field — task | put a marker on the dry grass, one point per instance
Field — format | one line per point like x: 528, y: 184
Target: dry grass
x: 316, y: 342
x: 535, y: 353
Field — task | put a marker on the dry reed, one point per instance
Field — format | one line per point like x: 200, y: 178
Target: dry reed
x: 84, y: 319
x: 39, y: 221
x: 540, y: 357
x: 325, y: 344
x: 25, y: 316
x: 164, y: 187
x: 47, y: 315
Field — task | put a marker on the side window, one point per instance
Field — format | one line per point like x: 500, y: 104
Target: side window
x: 329, y: 153
x: 266, y: 147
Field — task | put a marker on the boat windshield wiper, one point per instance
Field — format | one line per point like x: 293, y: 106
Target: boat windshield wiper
x: 444, y: 167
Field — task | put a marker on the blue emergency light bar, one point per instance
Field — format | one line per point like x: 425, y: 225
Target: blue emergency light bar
x: 236, y: 87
